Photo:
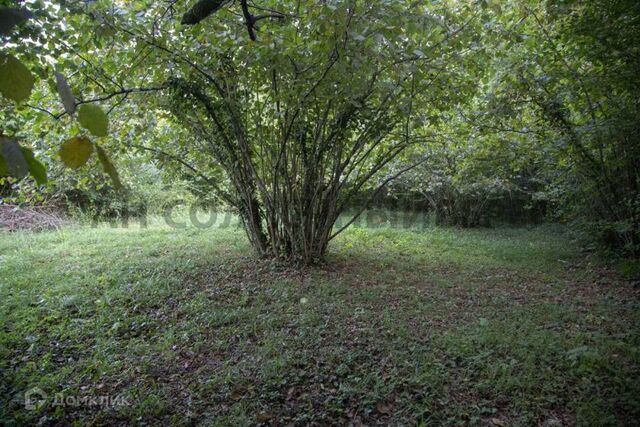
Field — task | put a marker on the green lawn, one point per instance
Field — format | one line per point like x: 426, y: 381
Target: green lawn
x: 431, y: 327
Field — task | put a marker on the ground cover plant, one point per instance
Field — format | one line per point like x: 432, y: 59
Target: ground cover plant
x: 426, y: 212
x: 430, y: 326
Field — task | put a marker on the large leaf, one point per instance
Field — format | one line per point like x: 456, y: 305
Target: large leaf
x: 16, y: 165
x: 65, y: 93
x: 16, y: 81
x: 92, y: 118
x: 76, y: 151
x: 10, y: 17
x: 109, y: 168
x: 36, y: 169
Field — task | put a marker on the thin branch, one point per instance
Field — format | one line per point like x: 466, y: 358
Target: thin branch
x: 44, y: 110
x: 208, y: 180
x: 266, y: 9
x: 256, y: 18
x: 375, y: 194
x: 122, y: 92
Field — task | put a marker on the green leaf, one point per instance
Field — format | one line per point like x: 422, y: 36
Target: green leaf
x: 37, y: 169
x: 16, y: 165
x: 109, y: 168
x: 92, y: 118
x: 16, y: 81
x: 65, y: 93
x: 76, y: 151
x: 104, y: 31
x: 10, y: 17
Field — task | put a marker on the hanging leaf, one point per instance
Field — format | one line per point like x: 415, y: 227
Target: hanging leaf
x: 16, y: 81
x: 92, y: 118
x: 109, y: 168
x: 76, y: 151
x: 65, y: 93
x: 16, y: 165
x: 36, y: 169
x: 200, y: 11
x: 10, y: 17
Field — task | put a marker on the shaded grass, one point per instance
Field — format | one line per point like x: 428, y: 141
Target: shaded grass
x: 434, y: 326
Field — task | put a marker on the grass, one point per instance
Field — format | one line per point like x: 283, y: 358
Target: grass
x: 429, y: 327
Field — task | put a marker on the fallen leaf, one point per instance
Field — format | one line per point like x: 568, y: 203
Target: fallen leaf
x: 237, y: 394
x: 383, y: 408
x: 264, y: 417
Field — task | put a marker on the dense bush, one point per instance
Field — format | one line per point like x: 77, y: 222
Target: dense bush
x: 516, y: 111
x: 586, y: 90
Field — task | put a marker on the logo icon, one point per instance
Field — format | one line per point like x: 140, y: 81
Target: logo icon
x: 34, y: 399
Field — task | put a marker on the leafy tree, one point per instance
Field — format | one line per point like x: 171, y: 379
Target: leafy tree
x: 572, y: 89
x: 17, y: 82
x: 288, y: 110
x: 299, y: 119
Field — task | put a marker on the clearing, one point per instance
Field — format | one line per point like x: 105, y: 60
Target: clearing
x: 508, y: 326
